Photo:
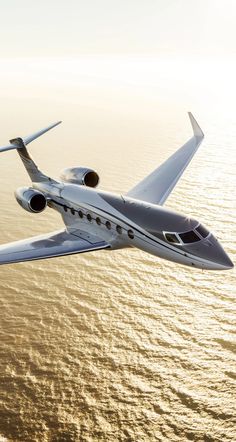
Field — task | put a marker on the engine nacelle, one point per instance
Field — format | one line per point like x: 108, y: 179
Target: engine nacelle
x: 30, y: 199
x: 80, y: 175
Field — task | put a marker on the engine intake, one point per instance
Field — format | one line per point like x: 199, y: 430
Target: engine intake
x: 30, y: 199
x: 81, y: 176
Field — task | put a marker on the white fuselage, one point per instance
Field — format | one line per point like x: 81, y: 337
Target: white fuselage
x: 86, y: 211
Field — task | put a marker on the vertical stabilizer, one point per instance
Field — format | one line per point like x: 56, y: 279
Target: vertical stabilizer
x: 20, y: 145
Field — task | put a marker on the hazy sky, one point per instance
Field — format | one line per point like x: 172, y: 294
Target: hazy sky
x: 160, y: 27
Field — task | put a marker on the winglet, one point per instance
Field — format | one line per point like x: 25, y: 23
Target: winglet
x: 198, y: 133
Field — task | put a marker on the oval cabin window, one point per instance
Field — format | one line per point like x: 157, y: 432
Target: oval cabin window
x: 130, y: 234
x: 108, y: 225
x: 119, y: 229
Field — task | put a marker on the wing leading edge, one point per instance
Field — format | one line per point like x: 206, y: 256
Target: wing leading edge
x: 157, y: 186
x: 51, y: 245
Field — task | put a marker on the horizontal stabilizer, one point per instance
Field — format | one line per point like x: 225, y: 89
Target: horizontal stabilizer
x: 51, y: 245
x: 18, y: 143
x: 32, y: 137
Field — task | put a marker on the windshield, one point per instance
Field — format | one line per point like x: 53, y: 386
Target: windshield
x: 202, y: 230
x: 188, y: 237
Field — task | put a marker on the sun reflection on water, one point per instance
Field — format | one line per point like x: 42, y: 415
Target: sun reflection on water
x: 121, y: 345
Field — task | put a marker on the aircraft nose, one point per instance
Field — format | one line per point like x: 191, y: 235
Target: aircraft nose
x: 219, y: 258
x: 211, y: 253
x: 226, y: 261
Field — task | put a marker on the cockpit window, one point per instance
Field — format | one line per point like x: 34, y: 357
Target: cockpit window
x: 188, y: 237
x: 202, y: 230
x: 172, y: 238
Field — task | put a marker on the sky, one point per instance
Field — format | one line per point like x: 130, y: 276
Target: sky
x: 96, y: 53
x: 59, y: 28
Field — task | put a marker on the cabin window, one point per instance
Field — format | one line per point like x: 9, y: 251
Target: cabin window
x: 98, y: 221
x: 189, y: 237
x: 89, y: 218
x: 130, y: 234
x: 72, y: 211
x: 119, y: 229
x: 80, y: 213
x: 202, y: 230
x: 172, y: 238
x: 108, y: 225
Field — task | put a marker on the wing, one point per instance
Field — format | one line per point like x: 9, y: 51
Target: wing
x: 54, y: 244
x: 157, y: 186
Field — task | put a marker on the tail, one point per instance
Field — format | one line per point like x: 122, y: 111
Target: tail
x: 20, y: 145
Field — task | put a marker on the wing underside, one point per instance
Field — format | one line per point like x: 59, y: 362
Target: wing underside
x: 157, y: 186
x: 51, y: 245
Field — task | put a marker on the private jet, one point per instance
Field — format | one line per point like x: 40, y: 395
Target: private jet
x: 95, y: 219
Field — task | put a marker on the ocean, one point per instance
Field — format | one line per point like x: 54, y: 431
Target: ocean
x: 119, y: 346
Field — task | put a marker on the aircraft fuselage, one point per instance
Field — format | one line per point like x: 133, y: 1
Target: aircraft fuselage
x: 126, y: 222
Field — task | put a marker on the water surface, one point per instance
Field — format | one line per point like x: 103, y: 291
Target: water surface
x: 118, y: 346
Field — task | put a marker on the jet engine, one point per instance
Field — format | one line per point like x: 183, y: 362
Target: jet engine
x: 80, y: 175
x: 30, y: 199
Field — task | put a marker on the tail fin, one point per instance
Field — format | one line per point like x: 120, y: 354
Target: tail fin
x: 20, y: 145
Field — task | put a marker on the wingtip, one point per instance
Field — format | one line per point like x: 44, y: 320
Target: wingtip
x: 57, y: 122
x: 198, y: 133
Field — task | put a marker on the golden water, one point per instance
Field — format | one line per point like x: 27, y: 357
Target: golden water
x: 118, y: 346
